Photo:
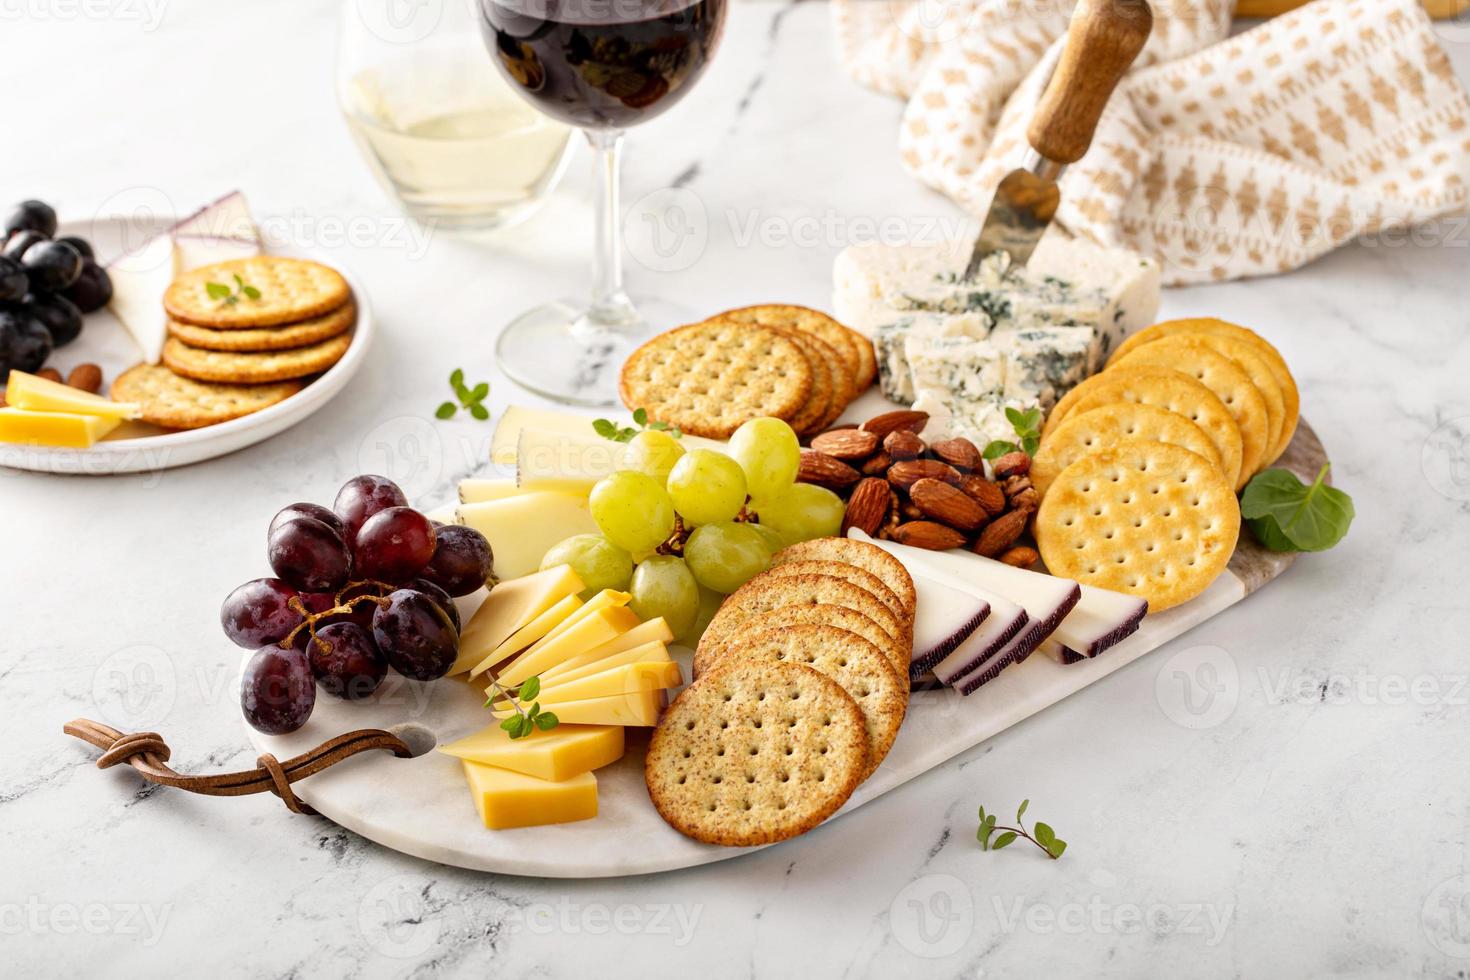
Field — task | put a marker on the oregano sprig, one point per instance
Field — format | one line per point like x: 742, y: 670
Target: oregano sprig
x: 1042, y: 835
x: 1028, y: 430
x: 470, y: 399
x: 229, y: 297
x: 609, y: 429
x: 525, y: 720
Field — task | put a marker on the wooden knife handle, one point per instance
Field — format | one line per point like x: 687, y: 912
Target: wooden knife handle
x: 1103, y: 40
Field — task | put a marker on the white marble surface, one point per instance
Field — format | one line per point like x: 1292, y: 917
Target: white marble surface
x: 1310, y: 819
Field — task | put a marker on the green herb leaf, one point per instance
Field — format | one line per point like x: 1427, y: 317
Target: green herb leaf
x: 1021, y: 810
x: 605, y: 428
x: 468, y: 399
x: 480, y: 412
x: 530, y: 689
x: 456, y: 378
x: 250, y: 291
x: 640, y: 416
x: 998, y: 448
x: 1003, y: 840
x: 480, y: 391
x: 1056, y: 847
x: 445, y: 411
x: 546, y: 721
x: 1044, y: 833
x: 511, y: 724
x: 1287, y: 515
x: 1014, y: 416
x: 217, y: 290
x: 1030, y: 443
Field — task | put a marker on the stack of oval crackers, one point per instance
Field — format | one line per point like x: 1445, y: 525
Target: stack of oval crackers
x: 243, y: 335
x: 801, y: 685
x: 785, y: 362
x: 1139, y: 466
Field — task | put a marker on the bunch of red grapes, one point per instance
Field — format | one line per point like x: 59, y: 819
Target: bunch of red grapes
x: 359, y: 588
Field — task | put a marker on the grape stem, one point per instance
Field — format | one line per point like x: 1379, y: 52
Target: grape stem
x: 340, y: 608
x: 675, y: 544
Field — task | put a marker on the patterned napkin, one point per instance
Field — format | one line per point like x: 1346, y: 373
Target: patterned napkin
x: 1224, y: 157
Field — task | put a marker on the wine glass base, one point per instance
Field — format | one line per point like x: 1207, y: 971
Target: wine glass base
x: 557, y: 351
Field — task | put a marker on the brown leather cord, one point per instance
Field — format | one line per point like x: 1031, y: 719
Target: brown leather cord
x: 149, y: 754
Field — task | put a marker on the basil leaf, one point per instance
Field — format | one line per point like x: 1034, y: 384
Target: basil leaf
x: 1287, y: 515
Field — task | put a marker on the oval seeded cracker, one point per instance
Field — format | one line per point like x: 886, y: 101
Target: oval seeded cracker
x: 756, y: 753
x: 288, y: 290
x: 711, y: 651
x: 1145, y: 518
x: 1097, y: 429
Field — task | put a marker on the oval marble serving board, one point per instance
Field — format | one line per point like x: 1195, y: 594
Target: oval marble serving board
x: 422, y: 806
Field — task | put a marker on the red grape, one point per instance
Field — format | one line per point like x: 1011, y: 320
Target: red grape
x: 258, y: 613
x: 440, y: 597
x: 462, y: 560
x: 394, y: 545
x: 308, y: 555
x: 415, y: 635
x: 346, y: 661
x: 314, y: 511
x: 277, y: 691
x: 363, y: 496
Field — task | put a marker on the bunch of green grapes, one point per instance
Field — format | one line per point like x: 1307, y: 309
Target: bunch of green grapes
x: 636, y: 510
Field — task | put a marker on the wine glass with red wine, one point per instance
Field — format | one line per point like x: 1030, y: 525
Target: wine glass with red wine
x: 601, y: 65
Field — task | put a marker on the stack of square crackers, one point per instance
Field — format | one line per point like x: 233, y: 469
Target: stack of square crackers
x: 243, y: 335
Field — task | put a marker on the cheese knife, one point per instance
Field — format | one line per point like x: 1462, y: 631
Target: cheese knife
x: 1103, y: 39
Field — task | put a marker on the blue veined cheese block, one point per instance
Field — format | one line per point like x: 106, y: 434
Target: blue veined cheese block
x: 890, y: 340
x: 1044, y: 363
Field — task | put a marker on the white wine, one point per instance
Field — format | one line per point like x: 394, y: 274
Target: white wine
x: 452, y: 141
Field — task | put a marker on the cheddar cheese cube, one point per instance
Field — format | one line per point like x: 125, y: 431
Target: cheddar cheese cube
x: 508, y: 799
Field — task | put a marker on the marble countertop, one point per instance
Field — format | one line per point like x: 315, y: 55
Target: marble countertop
x: 1280, y: 792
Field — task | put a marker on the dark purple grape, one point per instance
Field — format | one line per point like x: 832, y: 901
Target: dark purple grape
x: 346, y: 661
x: 25, y: 343
x: 258, y: 613
x: 62, y: 319
x: 363, y: 496
x: 393, y: 545
x: 19, y: 243
x: 308, y: 555
x: 83, y: 247
x: 92, y: 290
x: 277, y: 690
x: 314, y: 511
x: 462, y: 560
x: 36, y: 216
x: 52, y: 266
x: 13, y: 280
x: 440, y: 597
x: 415, y: 635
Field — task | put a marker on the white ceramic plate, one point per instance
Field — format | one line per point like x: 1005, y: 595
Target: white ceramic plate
x: 136, y: 447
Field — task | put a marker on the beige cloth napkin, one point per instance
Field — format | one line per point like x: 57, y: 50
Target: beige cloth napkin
x: 1224, y: 157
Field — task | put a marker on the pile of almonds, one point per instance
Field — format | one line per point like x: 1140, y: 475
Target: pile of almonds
x: 901, y: 489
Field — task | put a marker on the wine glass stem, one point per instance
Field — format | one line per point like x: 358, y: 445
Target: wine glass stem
x: 610, y: 307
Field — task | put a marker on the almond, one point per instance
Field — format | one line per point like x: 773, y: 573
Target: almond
x: 910, y: 471
x: 959, y: 453
x: 867, y: 508
x: 903, y: 444
x: 50, y: 374
x: 878, y: 465
x: 928, y: 534
x: 909, y: 511
x: 888, y: 422
x: 1021, y: 557
x: 986, y: 494
x: 87, y: 377
x: 1001, y: 533
x: 825, y: 471
x: 947, y: 505
x: 1011, y: 464
x: 846, y: 444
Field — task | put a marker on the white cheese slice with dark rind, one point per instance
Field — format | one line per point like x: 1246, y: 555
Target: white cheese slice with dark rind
x: 945, y: 617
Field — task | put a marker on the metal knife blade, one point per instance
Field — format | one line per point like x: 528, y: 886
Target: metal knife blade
x: 1021, y: 211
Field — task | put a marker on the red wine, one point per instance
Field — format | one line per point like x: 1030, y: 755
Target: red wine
x: 602, y: 64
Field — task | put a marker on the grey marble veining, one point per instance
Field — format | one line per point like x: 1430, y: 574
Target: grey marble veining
x: 1281, y: 792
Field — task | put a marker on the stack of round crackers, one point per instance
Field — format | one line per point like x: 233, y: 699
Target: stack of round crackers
x: 785, y: 362
x: 242, y: 336
x: 1139, y: 466
x: 801, y: 685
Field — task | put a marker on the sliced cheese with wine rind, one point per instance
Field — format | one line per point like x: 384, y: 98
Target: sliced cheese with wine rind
x: 531, y: 632
x: 945, y: 617
x: 639, y: 708
x: 510, y: 605
x: 592, y: 631
x: 139, y: 280
x: 521, y: 530
x: 644, y: 635
x: 561, y: 753
x: 196, y: 251
x: 508, y: 799
x: 38, y: 394
x: 228, y: 217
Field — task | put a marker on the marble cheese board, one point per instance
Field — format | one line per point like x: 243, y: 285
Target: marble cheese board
x: 421, y: 806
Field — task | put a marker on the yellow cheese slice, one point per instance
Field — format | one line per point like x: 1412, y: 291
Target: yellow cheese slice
x: 625, y: 679
x: 477, y: 491
x: 561, y: 461
x: 40, y: 395
x: 509, y: 606
x: 528, y: 634
x: 521, y: 530
x: 593, y: 631
x: 508, y: 799
x: 53, y: 428
x: 638, y: 708
x: 606, y: 599
x: 563, y: 752
x: 653, y: 631
x: 646, y: 654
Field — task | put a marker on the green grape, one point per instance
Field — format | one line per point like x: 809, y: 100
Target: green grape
x: 653, y: 452
x: 773, y: 537
x: 709, y: 604
x: 802, y: 513
x: 633, y: 511
x: 707, y: 487
x: 598, y: 562
x: 768, y: 451
x: 663, y: 586
x: 726, y: 555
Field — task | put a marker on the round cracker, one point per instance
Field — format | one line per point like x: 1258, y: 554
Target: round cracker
x: 869, y: 557
x: 708, y: 378
x: 766, y: 592
x: 1226, y: 379
x: 826, y: 376
x: 258, y: 339
x: 1291, y: 396
x: 847, y: 572
x: 290, y: 290
x: 842, y: 340
x: 1163, y: 388
x: 224, y: 367
x: 1261, y: 375
x: 173, y: 402
x: 881, y: 691
x: 708, y: 655
x: 756, y: 753
x: 1097, y: 429
x: 1145, y: 518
